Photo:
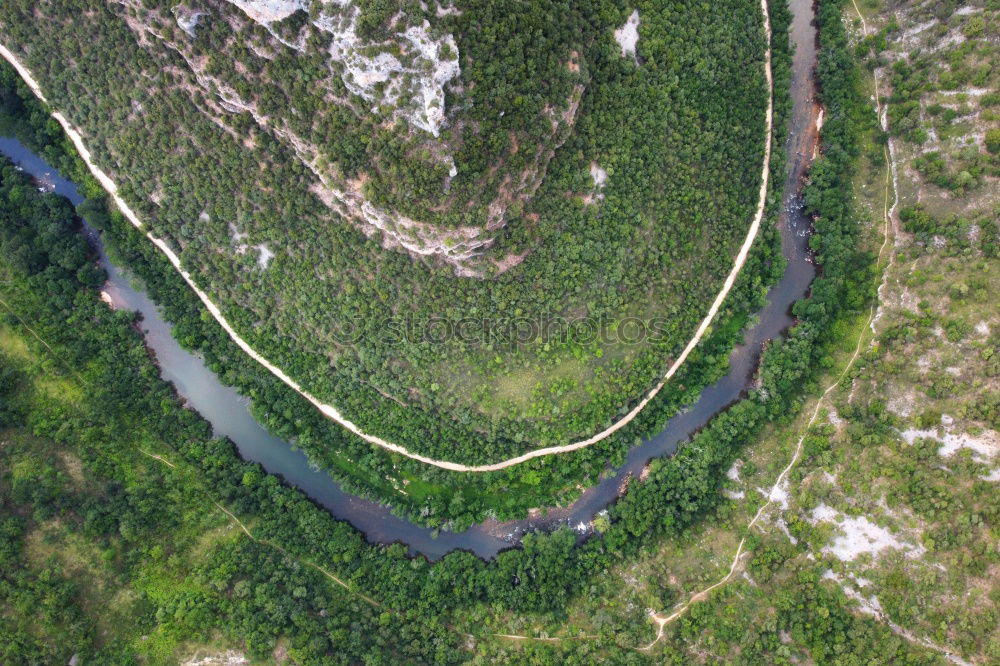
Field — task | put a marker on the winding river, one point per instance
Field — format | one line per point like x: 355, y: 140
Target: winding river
x: 229, y: 414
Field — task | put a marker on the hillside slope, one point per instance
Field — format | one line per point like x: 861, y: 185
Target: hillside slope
x: 422, y: 265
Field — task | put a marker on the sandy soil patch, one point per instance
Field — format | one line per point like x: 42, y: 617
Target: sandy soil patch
x: 227, y: 658
x: 859, y: 535
x: 627, y: 36
x: 985, y: 447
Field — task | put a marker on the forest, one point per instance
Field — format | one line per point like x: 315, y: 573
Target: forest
x: 651, y: 244
x: 435, y: 497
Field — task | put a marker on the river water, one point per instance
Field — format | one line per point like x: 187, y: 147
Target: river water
x: 229, y: 414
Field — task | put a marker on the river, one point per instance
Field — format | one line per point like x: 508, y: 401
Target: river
x: 229, y: 414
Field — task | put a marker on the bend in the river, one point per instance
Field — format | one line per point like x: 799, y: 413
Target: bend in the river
x: 228, y: 413
x: 330, y: 411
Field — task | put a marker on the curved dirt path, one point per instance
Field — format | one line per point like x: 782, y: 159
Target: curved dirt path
x: 330, y: 411
x: 889, y: 235
x: 882, y: 111
x: 773, y: 496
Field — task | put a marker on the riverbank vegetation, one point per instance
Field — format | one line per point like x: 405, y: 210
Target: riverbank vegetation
x: 878, y: 548
x: 678, y: 131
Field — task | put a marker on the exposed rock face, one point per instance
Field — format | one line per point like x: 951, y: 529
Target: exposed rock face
x: 401, y: 75
x: 408, y: 72
x: 267, y: 11
x: 187, y: 19
x: 627, y: 36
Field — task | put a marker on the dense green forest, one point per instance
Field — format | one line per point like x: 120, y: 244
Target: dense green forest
x: 678, y: 130
x: 84, y: 515
x: 434, y: 497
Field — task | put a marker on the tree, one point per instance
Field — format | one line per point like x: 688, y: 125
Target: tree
x: 993, y: 140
